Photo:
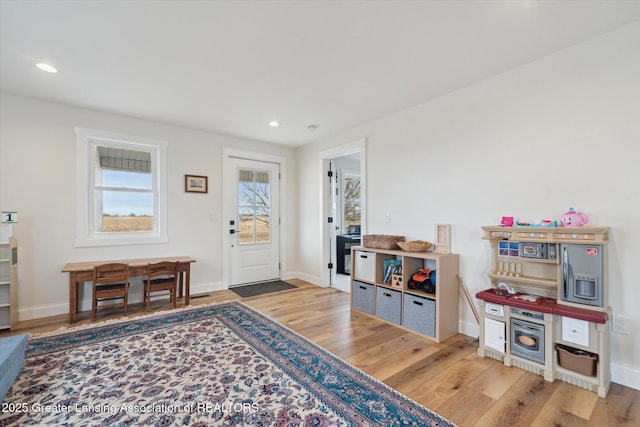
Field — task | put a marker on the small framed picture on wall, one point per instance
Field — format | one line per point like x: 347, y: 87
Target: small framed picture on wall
x: 195, y: 184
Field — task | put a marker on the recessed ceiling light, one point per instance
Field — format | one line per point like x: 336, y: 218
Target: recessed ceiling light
x: 46, y: 67
x: 274, y: 123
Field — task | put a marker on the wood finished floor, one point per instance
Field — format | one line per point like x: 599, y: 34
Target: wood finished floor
x: 448, y: 378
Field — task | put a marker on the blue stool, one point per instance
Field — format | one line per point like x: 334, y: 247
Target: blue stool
x: 11, y: 361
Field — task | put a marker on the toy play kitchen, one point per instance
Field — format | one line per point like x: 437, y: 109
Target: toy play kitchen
x: 547, y: 310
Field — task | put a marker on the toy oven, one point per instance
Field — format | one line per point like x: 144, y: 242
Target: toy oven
x: 527, y: 340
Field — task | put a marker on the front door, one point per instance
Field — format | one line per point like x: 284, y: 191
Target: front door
x: 252, y: 215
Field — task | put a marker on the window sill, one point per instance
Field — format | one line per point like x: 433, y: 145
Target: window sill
x: 120, y: 241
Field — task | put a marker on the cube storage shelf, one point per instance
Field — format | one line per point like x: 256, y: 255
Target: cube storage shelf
x: 434, y: 315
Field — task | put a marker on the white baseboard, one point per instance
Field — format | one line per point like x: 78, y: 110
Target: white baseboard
x: 39, y: 311
x: 203, y: 288
x: 314, y: 280
x: 84, y: 300
x: 625, y: 375
x: 470, y: 329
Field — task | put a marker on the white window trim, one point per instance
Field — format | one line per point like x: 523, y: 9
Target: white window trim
x: 85, y: 237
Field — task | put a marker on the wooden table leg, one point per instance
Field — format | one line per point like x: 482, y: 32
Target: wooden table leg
x: 73, y: 297
x: 187, y: 289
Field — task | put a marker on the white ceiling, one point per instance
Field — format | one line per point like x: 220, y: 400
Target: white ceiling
x: 232, y: 66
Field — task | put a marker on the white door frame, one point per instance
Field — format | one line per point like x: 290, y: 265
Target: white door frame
x: 358, y: 146
x: 229, y: 191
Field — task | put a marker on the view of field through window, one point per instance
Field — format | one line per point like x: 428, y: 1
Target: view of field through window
x: 126, y: 196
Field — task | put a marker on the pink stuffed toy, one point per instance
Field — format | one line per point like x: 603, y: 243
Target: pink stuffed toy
x: 572, y: 218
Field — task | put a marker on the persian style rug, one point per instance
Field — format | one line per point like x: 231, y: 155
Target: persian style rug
x: 215, y: 365
x: 262, y: 288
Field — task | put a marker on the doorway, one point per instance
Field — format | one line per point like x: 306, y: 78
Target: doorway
x: 343, y: 189
x: 252, y: 220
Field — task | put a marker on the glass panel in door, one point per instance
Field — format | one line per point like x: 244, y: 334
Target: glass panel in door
x: 254, y: 206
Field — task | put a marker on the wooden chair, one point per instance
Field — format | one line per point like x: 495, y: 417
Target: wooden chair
x: 162, y: 279
x: 110, y: 282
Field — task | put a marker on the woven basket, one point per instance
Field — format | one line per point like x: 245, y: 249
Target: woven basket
x: 415, y: 246
x: 381, y: 241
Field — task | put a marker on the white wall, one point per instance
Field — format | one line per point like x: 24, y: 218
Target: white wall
x: 557, y: 133
x: 37, y: 179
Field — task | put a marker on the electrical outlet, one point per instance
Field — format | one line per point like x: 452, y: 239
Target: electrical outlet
x: 387, y: 218
x: 621, y: 324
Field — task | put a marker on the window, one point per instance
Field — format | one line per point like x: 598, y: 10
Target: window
x: 254, y: 206
x: 351, y: 202
x: 121, y: 189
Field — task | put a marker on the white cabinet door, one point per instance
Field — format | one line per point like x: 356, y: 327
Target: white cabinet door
x: 494, y: 333
x: 575, y: 331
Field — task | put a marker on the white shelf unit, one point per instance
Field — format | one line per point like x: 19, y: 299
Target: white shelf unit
x: 8, y: 279
x: 433, y: 315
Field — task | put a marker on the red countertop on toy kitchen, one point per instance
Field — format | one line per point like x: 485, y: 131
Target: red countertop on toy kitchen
x: 542, y: 305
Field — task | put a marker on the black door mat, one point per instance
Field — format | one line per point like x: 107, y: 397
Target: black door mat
x: 262, y: 288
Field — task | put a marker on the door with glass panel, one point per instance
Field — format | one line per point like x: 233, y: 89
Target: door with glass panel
x: 253, y: 221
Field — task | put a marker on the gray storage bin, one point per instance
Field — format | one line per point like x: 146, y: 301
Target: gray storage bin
x: 420, y: 314
x: 389, y: 304
x: 362, y: 296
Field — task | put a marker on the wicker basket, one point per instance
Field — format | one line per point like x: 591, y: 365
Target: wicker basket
x: 381, y: 241
x: 415, y: 246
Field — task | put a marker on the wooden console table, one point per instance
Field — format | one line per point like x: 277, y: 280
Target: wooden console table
x: 83, y: 272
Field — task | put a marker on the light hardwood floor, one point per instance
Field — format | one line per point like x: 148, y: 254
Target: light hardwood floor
x: 448, y: 378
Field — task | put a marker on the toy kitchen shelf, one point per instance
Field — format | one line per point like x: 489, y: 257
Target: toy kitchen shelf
x: 575, y: 337
x: 531, y: 275
x: 434, y: 315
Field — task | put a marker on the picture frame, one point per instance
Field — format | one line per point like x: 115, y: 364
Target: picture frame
x: 196, y: 184
x: 443, y: 238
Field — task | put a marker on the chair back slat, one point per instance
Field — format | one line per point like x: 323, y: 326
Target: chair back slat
x: 110, y: 273
x: 162, y: 276
x: 163, y: 268
x: 110, y: 282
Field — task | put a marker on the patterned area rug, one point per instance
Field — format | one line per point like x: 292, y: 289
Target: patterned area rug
x: 218, y: 365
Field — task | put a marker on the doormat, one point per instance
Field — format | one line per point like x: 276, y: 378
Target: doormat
x: 262, y: 288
